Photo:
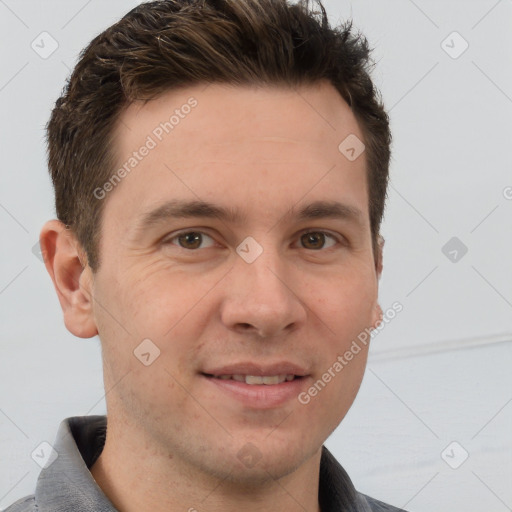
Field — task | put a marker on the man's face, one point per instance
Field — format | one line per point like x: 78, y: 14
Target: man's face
x: 263, y: 156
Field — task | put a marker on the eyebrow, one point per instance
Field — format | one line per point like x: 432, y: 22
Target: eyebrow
x: 179, y: 209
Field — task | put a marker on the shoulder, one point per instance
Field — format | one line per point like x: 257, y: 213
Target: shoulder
x: 379, y: 506
x: 26, y: 504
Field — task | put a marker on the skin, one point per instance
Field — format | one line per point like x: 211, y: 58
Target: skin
x: 173, y: 436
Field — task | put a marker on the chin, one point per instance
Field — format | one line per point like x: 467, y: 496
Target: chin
x: 253, y: 464
x: 265, y: 472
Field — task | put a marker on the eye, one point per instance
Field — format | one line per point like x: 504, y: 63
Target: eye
x: 191, y: 240
x: 316, y: 240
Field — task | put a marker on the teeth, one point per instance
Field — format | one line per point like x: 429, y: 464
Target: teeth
x: 253, y: 379
x: 271, y: 380
x: 257, y: 379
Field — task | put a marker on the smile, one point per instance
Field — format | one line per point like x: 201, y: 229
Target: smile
x: 268, y: 380
x: 258, y: 391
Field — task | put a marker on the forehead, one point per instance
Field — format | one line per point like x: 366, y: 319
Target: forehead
x: 216, y: 116
x: 243, y: 147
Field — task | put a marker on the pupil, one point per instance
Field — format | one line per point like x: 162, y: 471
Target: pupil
x: 190, y: 240
x: 315, y: 239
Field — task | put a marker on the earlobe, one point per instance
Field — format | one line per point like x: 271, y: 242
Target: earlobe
x: 71, y: 278
x: 378, y: 315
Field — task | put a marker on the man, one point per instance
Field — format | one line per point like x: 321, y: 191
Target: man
x: 220, y: 170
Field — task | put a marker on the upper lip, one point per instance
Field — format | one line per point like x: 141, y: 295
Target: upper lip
x: 262, y: 369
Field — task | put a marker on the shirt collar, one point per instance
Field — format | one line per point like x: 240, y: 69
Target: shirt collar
x: 67, y: 483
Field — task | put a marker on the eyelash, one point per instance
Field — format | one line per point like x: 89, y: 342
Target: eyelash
x: 339, y: 240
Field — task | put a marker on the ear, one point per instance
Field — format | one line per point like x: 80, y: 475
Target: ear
x: 377, y: 312
x: 380, y: 255
x: 71, y: 278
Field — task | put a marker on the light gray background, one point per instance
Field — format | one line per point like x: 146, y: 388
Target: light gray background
x: 438, y: 373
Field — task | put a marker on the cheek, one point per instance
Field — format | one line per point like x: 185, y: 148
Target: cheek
x: 336, y: 382
x: 333, y: 392
x: 154, y: 301
x: 345, y: 301
x: 344, y: 308
x: 152, y: 342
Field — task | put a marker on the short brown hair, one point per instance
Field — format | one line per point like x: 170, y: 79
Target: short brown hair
x: 167, y: 44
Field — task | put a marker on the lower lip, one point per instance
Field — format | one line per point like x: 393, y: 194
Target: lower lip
x: 260, y: 396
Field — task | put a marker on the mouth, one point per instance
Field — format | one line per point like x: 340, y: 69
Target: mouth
x: 267, y: 380
x: 257, y: 387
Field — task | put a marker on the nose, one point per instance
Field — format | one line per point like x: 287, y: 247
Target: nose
x: 263, y: 298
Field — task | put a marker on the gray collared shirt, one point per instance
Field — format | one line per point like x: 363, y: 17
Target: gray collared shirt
x: 67, y: 485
